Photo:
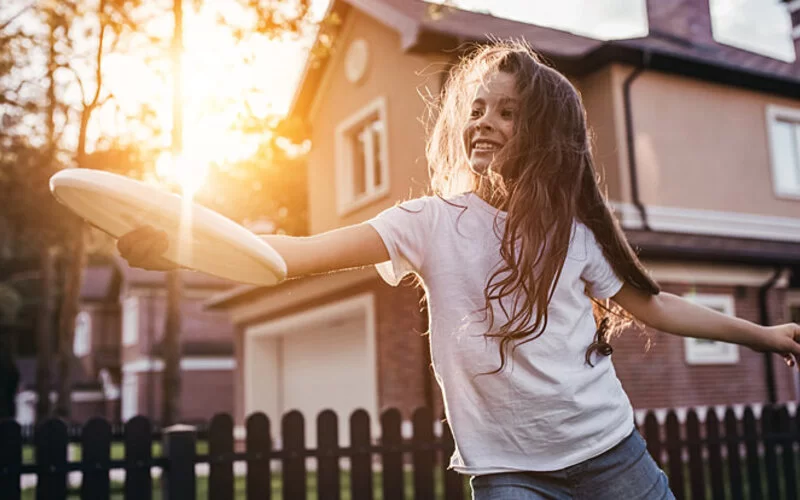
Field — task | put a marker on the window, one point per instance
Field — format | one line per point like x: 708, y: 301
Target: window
x: 130, y: 321
x: 362, y: 168
x: 783, y: 126
x: 130, y: 395
x: 709, y: 352
x: 81, y: 344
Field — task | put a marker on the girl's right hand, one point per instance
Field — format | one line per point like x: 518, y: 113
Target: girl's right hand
x: 144, y: 248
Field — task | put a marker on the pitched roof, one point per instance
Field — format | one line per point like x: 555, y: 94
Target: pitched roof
x: 422, y: 32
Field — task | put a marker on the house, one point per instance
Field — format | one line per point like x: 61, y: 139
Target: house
x: 117, y: 347
x: 694, y: 138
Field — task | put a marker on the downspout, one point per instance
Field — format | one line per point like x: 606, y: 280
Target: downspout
x: 769, y: 372
x: 632, y: 170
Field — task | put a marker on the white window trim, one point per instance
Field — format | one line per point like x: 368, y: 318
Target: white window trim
x: 82, y: 341
x: 129, y: 397
x: 130, y: 336
x: 725, y: 353
x: 345, y: 201
x: 775, y: 113
x: 188, y: 364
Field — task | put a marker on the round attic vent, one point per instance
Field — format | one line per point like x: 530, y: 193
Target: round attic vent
x: 356, y: 60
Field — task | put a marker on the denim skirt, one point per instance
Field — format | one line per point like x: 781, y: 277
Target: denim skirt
x: 625, y: 472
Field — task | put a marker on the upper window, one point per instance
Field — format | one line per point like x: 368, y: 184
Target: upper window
x: 709, y: 352
x: 130, y: 321
x: 783, y: 127
x: 760, y: 26
x: 81, y: 344
x: 362, y: 157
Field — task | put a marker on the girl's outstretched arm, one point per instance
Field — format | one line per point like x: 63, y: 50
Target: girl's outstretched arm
x: 344, y: 248
x: 672, y: 314
x: 348, y: 247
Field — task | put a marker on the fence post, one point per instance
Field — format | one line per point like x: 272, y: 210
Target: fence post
x: 179, y: 449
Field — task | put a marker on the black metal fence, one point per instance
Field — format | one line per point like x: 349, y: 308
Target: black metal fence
x: 732, y: 457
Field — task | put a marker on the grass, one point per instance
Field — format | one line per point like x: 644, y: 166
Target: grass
x: 277, y: 493
x: 117, y: 451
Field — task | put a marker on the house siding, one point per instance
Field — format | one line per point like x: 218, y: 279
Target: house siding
x: 339, y: 99
x: 702, y: 145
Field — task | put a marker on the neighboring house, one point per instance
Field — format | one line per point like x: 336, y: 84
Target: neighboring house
x: 700, y: 146
x: 118, y: 333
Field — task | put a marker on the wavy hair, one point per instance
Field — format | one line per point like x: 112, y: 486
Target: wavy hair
x: 545, y: 178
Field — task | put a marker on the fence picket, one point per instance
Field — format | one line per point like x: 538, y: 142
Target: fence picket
x: 96, y: 458
x: 51, y: 460
x: 714, y: 446
x: 328, y: 473
x: 138, y: 455
x: 652, y: 435
x: 453, y: 482
x: 259, y: 445
x: 361, y: 458
x: 293, y: 433
x: 787, y: 430
x: 732, y: 446
x: 697, y: 480
x: 423, y: 456
x: 747, y: 441
x: 750, y: 435
x: 10, y: 458
x: 392, y: 456
x: 674, y: 458
x: 220, y: 452
x: 768, y: 431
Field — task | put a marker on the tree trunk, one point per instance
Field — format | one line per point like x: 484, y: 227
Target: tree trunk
x: 171, y: 349
x: 171, y: 379
x: 44, y: 344
x: 70, y: 303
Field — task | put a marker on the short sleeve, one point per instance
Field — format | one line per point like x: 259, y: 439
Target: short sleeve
x: 601, y: 280
x: 405, y: 230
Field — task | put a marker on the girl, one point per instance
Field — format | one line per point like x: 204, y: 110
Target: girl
x: 512, y: 250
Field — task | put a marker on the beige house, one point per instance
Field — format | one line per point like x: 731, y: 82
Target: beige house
x: 700, y: 145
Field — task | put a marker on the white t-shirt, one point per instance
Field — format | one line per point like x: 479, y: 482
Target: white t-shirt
x: 547, y: 409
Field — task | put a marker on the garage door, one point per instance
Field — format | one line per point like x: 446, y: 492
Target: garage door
x: 320, y: 359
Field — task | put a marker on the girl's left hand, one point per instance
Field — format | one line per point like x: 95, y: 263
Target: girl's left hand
x: 784, y: 339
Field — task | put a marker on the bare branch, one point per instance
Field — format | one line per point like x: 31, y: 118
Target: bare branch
x: 99, y: 57
x: 79, y: 80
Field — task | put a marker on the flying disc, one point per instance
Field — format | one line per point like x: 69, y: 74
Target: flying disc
x: 199, y: 238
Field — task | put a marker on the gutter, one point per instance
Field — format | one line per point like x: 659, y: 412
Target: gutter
x: 769, y: 371
x: 632, y: 170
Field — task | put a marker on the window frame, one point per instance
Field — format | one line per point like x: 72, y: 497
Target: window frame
x: 346, y: 200
x: 130, y: 336
x: 721, y: 353
x: 82, y: 340
x: 774, y: 114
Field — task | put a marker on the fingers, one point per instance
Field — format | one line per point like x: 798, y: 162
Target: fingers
x: 143, y: 247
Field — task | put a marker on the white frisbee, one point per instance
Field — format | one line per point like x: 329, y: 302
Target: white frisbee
x: 199, y: 239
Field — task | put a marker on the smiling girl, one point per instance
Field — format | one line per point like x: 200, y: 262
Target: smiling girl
x: 513, y: 248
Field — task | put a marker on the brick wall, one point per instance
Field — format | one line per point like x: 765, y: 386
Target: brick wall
x: 660, y: 377
x: 203, y: 394
x: 404, y: 374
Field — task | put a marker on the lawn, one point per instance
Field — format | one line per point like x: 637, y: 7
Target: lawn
x: 311, y: 483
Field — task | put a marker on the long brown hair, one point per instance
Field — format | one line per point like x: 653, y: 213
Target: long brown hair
x: 544, y: 178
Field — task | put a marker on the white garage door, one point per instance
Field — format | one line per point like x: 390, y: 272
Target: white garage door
x: 313, y: 361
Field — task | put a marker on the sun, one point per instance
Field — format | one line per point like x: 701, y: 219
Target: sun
x: 222, y: 81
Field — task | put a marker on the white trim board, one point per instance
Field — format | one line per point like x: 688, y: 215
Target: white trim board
x: 147, y: 364
x: 710, y: 222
